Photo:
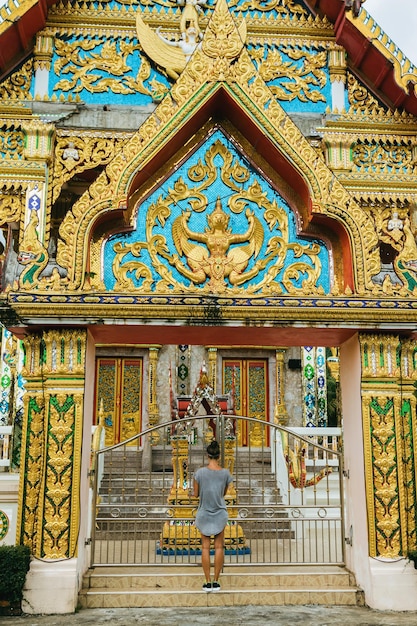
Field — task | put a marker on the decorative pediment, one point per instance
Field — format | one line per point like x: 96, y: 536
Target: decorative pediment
x: 220, y: 82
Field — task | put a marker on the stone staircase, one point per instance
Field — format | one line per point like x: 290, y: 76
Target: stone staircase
x: 122, y: 587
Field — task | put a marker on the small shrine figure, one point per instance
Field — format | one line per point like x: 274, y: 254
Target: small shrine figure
x: 395, y: 222
x: 188, y: 42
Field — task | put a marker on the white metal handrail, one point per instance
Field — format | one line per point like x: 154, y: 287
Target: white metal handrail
x: 5, y: 447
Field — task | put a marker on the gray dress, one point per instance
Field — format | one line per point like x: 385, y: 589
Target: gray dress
x: 211, y: 515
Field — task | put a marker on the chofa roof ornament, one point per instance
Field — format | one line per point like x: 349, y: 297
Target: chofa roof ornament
x: 354, y: 6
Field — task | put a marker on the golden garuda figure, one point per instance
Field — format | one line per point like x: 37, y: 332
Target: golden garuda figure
x: 172, y: 55
x: 217, y: 259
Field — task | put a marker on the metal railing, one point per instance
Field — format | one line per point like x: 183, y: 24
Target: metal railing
x: 285, y: 504
x: 5, y: 446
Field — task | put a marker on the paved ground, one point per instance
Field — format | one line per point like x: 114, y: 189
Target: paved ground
x: 227, y: 616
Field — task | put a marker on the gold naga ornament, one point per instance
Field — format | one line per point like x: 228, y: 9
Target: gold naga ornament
x: 32, y: 254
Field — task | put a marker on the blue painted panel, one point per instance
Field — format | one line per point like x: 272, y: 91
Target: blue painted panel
x: 246, y: 198
x: 103, y: 70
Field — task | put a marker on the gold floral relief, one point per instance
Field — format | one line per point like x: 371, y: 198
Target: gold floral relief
x: 11, y: 206
x: 303, y: 76
x: 360, y: 99
x: 409, y: 441
x: 12, y: 141
x: 388, y: 423
x: 387, y: 155
x: 381, y: 472
x: 17, y: 86
x: 103, y: 55
x: 75, y: 153
x: 52, y: 435
x: 60, y: 479
x: 210, y: 255
x: 33, y: 456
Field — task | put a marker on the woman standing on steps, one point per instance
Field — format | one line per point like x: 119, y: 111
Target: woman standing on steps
x: 210, y: 485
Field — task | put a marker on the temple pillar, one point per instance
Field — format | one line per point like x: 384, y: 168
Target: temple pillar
x: 212, y: 368
x: 378, y: 373
x: 281, y: 415
x: 43, y: 51
x: 389, y: 421
x: 49, y: 492
x: 337, y: 69
x: 153, y: 409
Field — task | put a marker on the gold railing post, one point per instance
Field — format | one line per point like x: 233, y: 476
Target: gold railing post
x: 180, y: 532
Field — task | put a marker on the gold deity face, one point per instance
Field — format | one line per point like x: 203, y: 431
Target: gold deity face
x: 218, y: 220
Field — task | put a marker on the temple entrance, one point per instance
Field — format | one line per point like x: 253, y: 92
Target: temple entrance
x: 285, y: 505
x: 118, y: 394
x: 246, y: 381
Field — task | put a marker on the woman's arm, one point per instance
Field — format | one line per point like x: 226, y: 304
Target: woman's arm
x: 196, y: 489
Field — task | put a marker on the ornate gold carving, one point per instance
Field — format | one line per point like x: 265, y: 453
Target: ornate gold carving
x: 33, y: 441
x: 286, y: 7
x: 338, y: 151
x: 388, y: 365
x: 217, y: 260
x: 222, y: 40
x: 394, y: 228
x: 32, y: 254
x: 43, y: 51
x: 75, y: 153
x: 153, y: 408
x: 360, y: 98
x: 301, y: 81
x: 39, y: 140
x: 386, y: 155
x: 409, y: 442
x: 121, y: 270
x: 63, y: 409
x: 110, y: 59
x: 12, y: 143
x: 337, y: 64
x: 212, y: 369
x: 49, y: 494
x: 11, y: 207
x: 280, y: 414
x: 214, y: 253
x: 253, y: 97
x: 17, y: 86
x: 172, y: 55
x: 379, y: 356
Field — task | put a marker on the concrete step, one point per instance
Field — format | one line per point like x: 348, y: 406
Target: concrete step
x: 105, y: 587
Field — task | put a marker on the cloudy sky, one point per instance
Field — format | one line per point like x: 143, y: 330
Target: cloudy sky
x: 398, y: 18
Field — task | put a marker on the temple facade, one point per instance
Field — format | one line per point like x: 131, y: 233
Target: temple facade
x: 222, y: 183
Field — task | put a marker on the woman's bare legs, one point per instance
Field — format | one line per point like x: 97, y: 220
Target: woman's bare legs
x: 205, y: 556
x: 218, y: 554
